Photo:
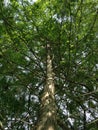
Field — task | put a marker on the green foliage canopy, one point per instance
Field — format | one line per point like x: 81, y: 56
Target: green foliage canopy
x: 71, y: 29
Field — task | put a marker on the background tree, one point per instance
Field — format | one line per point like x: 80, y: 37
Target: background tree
x: 32, y: 34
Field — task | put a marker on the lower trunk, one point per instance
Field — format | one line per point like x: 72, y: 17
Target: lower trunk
x: 47, y: 119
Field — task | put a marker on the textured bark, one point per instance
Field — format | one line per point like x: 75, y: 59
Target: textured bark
x: 48, y: 106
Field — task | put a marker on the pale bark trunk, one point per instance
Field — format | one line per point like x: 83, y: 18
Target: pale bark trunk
x: 48, y: 106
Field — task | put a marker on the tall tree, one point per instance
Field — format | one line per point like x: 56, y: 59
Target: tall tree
x: 49, y: 65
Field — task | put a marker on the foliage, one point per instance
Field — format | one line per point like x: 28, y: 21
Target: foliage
x: 71, y: 29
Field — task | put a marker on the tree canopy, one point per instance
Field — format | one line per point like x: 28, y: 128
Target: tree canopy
x: 67, y: 32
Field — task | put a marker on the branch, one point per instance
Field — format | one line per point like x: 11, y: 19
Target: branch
x: 62, y: 124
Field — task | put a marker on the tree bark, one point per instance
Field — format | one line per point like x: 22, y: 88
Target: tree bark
x: 48, y: 106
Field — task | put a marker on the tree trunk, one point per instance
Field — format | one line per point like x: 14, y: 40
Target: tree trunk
x: 47, y: 119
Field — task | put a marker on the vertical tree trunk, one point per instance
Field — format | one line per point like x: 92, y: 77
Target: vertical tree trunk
x: 48, y: 106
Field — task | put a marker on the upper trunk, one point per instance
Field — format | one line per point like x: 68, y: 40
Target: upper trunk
x: 47, y: 119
